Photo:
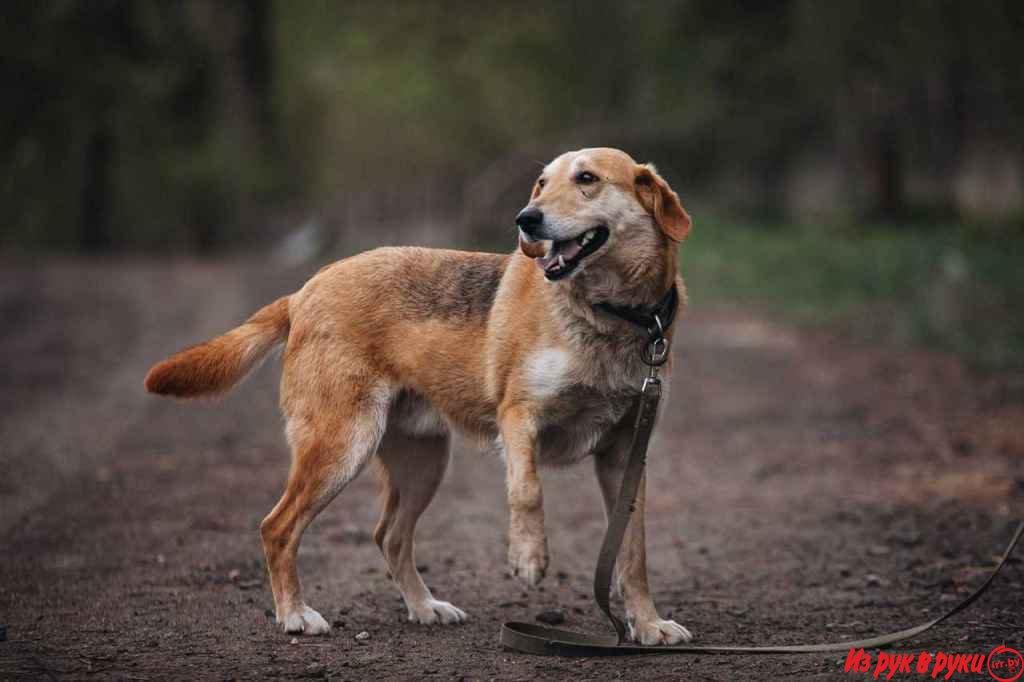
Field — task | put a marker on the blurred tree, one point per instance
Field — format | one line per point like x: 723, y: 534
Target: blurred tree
x: 123, y: 119
x: 150, y: 123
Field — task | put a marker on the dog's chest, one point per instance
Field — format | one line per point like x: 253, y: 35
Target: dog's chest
x: 579, y: 404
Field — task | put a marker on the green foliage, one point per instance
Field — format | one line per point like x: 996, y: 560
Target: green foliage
x: 951, y: 288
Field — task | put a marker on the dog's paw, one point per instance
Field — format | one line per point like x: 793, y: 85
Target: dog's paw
x: 304, y: 620
x: 437, y: 612
x: 659, y: 632
x: 528, y: 561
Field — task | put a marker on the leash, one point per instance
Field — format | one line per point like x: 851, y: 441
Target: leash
x: 546, y: 641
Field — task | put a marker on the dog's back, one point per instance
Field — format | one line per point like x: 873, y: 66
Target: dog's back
x: 346, y: 299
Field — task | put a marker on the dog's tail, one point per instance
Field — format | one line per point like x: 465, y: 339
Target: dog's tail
x: 215, y: 366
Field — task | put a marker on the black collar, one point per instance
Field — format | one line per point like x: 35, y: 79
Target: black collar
x: 664, y: 310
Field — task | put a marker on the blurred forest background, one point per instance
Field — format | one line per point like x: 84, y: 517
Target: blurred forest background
x: 841, y: 158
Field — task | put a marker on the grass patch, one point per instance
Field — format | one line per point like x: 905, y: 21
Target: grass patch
x: 943, y: 287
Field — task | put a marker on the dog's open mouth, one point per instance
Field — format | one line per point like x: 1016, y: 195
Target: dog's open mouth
x: 565, y: 256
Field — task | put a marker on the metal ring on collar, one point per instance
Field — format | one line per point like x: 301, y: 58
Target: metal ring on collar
x: 655, y: 353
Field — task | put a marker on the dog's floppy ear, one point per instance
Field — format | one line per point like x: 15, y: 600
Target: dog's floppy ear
x: 662, y: 202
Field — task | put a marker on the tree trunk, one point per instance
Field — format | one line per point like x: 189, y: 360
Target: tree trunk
x: 94, y: 232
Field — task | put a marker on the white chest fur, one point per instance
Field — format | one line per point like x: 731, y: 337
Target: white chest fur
x: 547, y: 372
x: 576, y: 407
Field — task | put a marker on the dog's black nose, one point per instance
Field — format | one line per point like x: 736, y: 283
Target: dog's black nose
x: 530, y: 220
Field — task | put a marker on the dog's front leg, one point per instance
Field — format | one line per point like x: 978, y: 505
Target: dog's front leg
x: 527, y: 543
x: 645, y: 625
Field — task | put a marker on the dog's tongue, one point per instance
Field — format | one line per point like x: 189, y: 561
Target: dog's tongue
x: 532, y: 249
x: 568, y: 250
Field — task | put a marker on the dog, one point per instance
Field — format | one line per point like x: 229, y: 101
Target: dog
x: 389, y: 352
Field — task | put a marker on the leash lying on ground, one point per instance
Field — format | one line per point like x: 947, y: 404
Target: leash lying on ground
x: 538, y: 639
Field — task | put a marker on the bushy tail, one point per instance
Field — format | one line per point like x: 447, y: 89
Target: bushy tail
x: 215, y: 366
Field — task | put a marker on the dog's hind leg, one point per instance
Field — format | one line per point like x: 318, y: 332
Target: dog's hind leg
x: 412, y: 468
x: 332, y: 436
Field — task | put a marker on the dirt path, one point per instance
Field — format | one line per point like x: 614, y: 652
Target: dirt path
x: 800, y: 490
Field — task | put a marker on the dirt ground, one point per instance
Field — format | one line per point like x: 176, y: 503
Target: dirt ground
x: 801, y: 489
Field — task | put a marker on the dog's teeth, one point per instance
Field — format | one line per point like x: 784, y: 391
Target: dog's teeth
x: 561, y: 261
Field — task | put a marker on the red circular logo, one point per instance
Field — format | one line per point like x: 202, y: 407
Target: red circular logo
x: 1005, y: 664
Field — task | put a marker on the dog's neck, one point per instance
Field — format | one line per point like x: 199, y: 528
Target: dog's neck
x: 588, y: 327
x: 642, y: 287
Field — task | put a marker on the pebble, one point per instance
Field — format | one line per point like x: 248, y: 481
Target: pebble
x: 873, y: 580
x: 363, y: 636
x: 551, y: 617
x: 295, y: 640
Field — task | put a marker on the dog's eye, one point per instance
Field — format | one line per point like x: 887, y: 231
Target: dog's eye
x: 585, y: 178
x: 541, y: 182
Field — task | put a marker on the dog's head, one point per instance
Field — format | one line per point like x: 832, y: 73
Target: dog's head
x: 597, y: 211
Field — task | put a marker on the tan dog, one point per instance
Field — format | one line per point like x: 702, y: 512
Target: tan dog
x: 390, y: 351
